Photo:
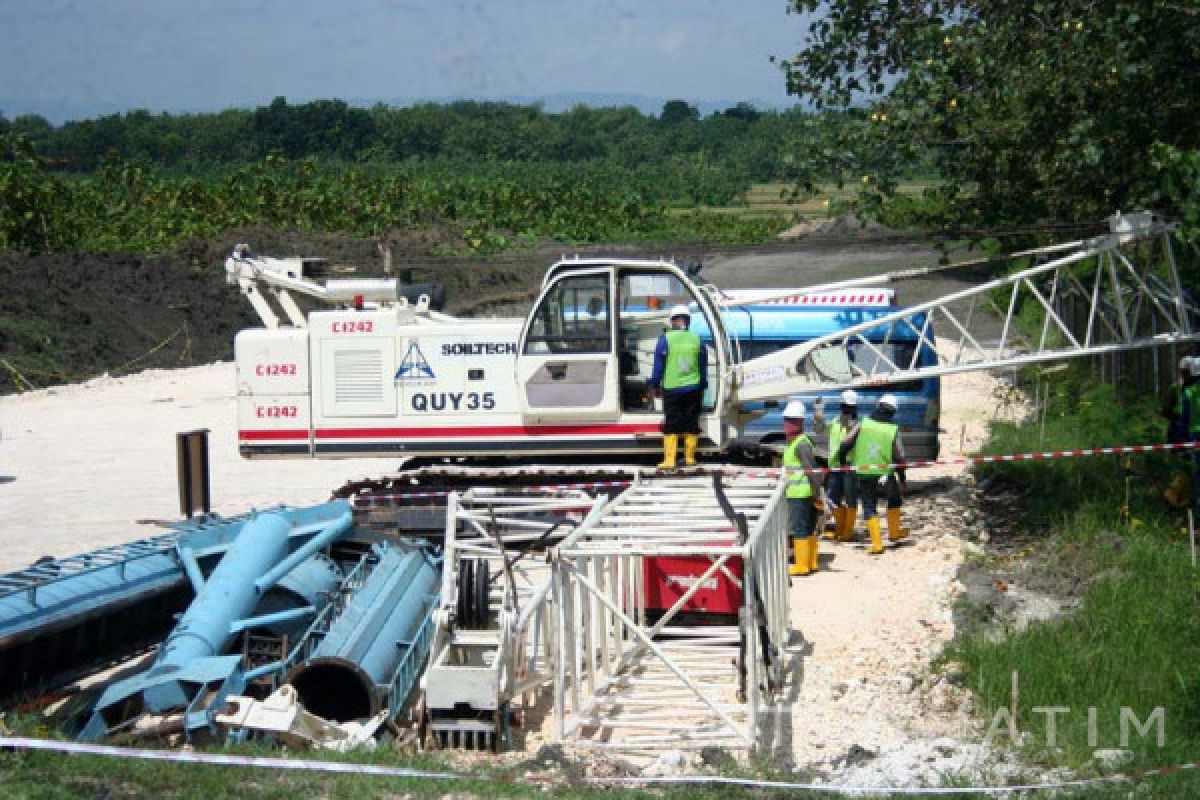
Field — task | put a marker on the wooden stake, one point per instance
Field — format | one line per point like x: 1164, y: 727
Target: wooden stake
x: 1192, y: 534
x: 1014, y: 697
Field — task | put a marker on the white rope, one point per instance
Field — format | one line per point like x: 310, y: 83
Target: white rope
x: 339, y: 767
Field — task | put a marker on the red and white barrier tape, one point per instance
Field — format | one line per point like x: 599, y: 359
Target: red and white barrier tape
x: 1039, y: 456
x: 383, y: 771
x: 404, y: 495
x: 774, y: 473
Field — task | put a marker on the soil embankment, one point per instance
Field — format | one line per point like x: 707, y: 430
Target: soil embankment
x: 70, y: 317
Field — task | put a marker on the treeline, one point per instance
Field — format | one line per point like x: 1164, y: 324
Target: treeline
x: 757, y: 145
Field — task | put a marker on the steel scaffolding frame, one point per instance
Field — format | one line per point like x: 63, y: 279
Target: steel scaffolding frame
x: 501, y: 650
x: 624, y: 682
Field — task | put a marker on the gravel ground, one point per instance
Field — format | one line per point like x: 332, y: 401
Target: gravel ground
x: 86, y: 465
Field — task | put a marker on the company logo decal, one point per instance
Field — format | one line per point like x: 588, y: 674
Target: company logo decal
x: 414, y: 367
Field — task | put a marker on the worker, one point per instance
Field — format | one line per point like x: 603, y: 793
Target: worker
x: 873, y: 446
x: 680, y: 376
x: 841, y: 484
x: 803, y: 490
x: 1191, y: 418
x: 1177, y: 492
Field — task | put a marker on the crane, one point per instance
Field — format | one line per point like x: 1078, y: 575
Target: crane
x: 382, y: 373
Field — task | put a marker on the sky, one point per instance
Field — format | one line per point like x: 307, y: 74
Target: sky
x: 72, y: 58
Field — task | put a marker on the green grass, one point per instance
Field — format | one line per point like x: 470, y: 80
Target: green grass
x: 30, y: 351
x: 1134, y: 641
x: 46, y: 775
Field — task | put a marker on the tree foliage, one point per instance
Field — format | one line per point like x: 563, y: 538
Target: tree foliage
x: 1049, y: 109
x: 755, y: 143
x: 490, y: 171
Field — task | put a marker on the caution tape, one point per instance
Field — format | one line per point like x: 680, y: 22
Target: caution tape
x: 1000, y: 459
x: 373, y: 499
x: 751, y: 472
x: 222, y: 759
x: 383, y: 771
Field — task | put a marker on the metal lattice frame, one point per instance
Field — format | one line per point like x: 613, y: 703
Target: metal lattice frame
x: 624, y: 683
x: 510, y: 530
x: 1117, y: 292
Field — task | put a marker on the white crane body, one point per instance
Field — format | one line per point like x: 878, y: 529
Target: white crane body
x: 385, y: 376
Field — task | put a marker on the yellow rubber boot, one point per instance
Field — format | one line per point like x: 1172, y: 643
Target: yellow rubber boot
x: 799, y: 557
x: 896, y: 531
x: 838, y: 512
x: 849, y: 517
x: 670, y: 442
x: 690, y: 442
x: 876, y: 532
x: 813, y: 547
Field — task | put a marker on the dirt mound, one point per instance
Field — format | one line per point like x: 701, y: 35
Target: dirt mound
x: 67, y: 317
x: 845, y: 227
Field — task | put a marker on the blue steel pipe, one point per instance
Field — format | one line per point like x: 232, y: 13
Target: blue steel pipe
x: 303, y: 553
x: 228, y: 595
x: 274, y: 618
x: 312, y: 583
x: 351, y: 670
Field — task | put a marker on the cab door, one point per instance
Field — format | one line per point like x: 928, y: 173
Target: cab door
x: 567, y: 362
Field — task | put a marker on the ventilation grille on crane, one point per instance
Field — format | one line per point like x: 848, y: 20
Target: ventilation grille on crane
x: 358, y: 376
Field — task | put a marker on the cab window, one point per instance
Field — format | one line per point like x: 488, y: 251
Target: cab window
x: 572, y: 318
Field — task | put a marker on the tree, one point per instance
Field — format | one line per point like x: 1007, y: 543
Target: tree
x: 743, y: 111
x: 675, y: 112
x: 1051, y: 109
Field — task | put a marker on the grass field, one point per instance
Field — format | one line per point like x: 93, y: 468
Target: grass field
x: 767, y: 199
x: 1133, y: 641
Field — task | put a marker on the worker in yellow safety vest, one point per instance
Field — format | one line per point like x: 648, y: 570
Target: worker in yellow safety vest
x: 842, y: 485
x: 803, y: 490
x: 1177, y: 492
x: 680, y: 376
x: 873, y: 446
x: 1191, y: 418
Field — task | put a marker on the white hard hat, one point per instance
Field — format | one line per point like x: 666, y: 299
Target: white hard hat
x: 850, y: 398
x: 794, y: 410
x: 889, y: 401
x: 680, y: 311
x: 1194, y: 367
x: 1185, y: 363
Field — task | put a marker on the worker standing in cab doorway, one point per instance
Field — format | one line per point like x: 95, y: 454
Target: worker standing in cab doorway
x: 841, y: 484
x: 1177, y: 493
x: 873, y: 446
x: 803, y: 490
x: 681, y: 376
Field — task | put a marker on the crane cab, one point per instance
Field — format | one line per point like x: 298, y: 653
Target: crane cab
x: 586, y: 352
x: 393, y: 378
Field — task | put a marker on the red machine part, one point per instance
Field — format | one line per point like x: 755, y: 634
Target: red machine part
x: 667, y: 578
